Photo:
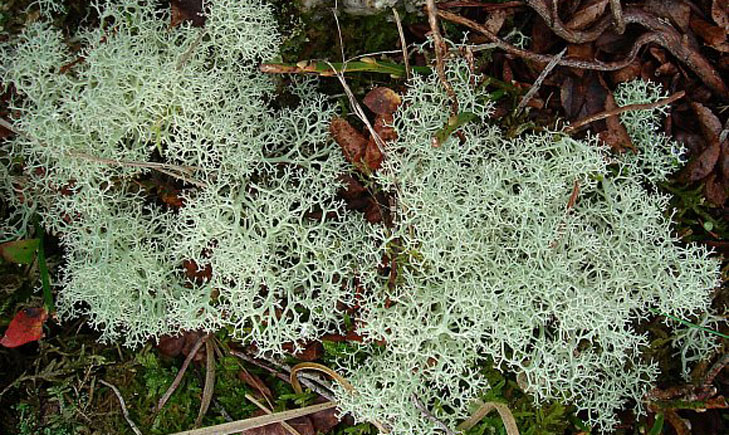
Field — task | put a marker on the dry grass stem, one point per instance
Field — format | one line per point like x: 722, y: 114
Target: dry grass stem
x: 125, y: 411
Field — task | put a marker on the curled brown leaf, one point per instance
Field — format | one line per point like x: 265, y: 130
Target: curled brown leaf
x: 382, y: 101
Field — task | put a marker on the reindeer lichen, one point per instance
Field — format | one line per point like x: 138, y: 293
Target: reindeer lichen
x: 537, y: 254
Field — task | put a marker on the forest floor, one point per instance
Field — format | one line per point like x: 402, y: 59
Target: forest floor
x: 60, y: 384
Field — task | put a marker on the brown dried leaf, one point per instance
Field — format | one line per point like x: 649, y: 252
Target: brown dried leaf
x: 352, y: 142
x: 715, y: 36
x: 495, y: 21
x: 626, y: 74
x: 617, y: 136
x: 191, y: 338
x: 311, y: 352
x: 383, y: 127
x: 382, y: 100
x: 710, y: 124
x: 373, y: 156
x: 715, y: 189
x: 373, y: 212
x: 197, y: 274
x: 187, y: 10
x: 704, y: 163
x: 352, y: 188
x: 325, y: 421
x: 720, y: 13
x: 724, y: 159
x: 171, y: 346
x: 587, y: 15
x: 675, y: 10
x: 302, y: 424
x: 256, y: 383
x: 542, y: 36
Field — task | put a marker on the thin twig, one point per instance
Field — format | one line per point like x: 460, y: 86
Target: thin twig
x: 294, y: 380
x: 423, y: 410
x: 486, y: 6
x: 357, y: 109
x: 617, y: 111
x: 188, y: 53
x: 504, y: 412
x: 538, y: 83
x: 339, y: 30
x: 441, y: 50
x: 263, y: 420
x: 306, y: 379
x: 285, y: 425
x: 125, y: 412
x: 207, y: 395
x: 403, y: 43
x: 572, y: 63
x: 181, y: 373
x: 661, y: 32
x: 715, y: 370
x: 617, y: 11
x: 175, y: 171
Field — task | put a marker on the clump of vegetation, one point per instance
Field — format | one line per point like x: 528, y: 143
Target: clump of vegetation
x: 537, y: 253
x: 189, y: 103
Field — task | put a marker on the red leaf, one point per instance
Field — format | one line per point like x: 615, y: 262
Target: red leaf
x: 25, y: 327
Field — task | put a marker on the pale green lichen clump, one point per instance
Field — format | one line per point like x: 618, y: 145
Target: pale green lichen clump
x: 497, y: 266
x: 192, y: 97
x: 537, y: 254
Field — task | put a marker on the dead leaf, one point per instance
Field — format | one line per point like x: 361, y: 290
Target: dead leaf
x: 543, y: 38
x: 677, y: 11
x: 191, y: 338
x: 324, y: 421
x: 383, y: 127
x: 704, y: 163
x: 382, y: 101
x: 715, y: 36
x: 495, y: 21
x: 373, y: 212
x: 197, y: 274
x: 187, y: 10
x: 616, y: 136
x: 720, y: 13
x: 352, y: 188
x: 256, y: 383
x: 587, y: 15
x: 628, y: 73
x: 312, y: 351
x: 25, y: 327
x: 710, y: 124
x: 372, y: 156
x: 171, y: 346
x: 715, y: 190
x: 352, y: 142
x: 302, y: 424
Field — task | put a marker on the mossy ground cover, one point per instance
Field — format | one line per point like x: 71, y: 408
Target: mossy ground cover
x: 52, y: 387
